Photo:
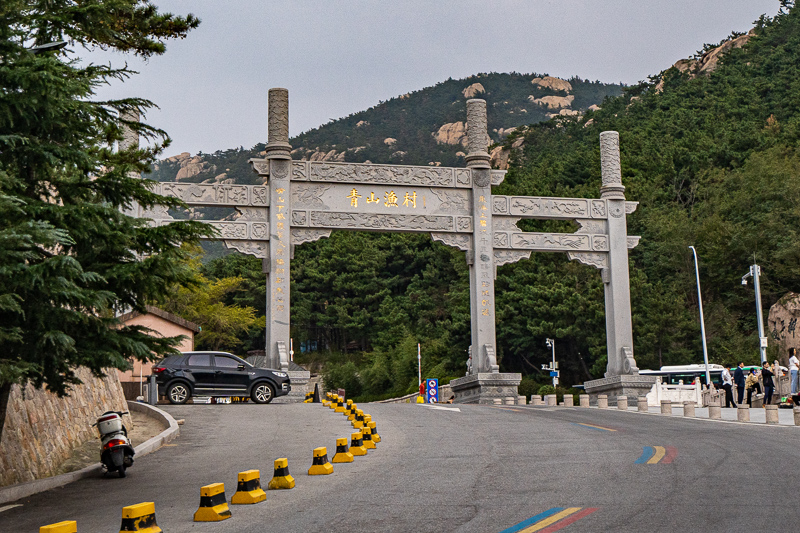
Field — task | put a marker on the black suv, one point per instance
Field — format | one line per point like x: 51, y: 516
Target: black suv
x: 179, y: 377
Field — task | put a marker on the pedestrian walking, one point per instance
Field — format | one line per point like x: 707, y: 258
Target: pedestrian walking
x: 727, y: 384
x: 769, y: 383
x: 794, y: 364
x: 738, y: 378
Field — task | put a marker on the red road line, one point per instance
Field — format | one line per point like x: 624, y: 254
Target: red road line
x: 672, y: 453
x: 569, y: 520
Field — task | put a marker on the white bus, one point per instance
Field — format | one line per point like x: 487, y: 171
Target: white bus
x: 686, y: 374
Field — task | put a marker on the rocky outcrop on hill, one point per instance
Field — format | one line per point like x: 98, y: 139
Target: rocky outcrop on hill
x: 453, y: 133
x: 473, y: 90
x: 390, y: 141
x: 553, y: 102
x: 707, y: 63
x: 549, y: 82
x: 189, y: 166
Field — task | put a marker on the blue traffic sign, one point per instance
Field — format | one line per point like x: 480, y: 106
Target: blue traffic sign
x: 554, y: 373
x: 432, y: 390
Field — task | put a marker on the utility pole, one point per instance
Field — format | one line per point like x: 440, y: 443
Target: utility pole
x: 702, y: 320
x: 755, y: 273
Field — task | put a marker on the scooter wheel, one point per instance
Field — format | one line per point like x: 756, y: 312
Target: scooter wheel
x: 121, y: 471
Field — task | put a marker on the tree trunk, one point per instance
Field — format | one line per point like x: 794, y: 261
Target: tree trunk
x: 5, y: 392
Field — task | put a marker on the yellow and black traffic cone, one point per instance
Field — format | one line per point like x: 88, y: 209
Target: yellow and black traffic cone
x: 319, y: 464
x: 248, y: 488
x: 213, y: 504
x: 281, y: 479
x: 357, y: 444
x: 342, y: 455
x: 374, y: 430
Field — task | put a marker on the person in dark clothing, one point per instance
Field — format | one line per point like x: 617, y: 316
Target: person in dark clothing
x: 738, y: 378
x: 769, y: 384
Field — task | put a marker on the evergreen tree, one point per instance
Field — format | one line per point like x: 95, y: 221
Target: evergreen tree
x: 70, y: 259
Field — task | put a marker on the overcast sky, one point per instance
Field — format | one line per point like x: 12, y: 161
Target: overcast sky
x: 338, y: 57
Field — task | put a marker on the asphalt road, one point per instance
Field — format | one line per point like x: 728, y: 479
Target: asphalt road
x: 474, y: 469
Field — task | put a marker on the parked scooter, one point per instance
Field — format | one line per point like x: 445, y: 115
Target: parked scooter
x: 117, y: 454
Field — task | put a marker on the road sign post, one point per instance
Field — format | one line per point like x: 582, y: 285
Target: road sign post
x: 433, y: 390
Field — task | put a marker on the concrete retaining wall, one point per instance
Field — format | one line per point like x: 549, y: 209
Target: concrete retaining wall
x: 41, y: 430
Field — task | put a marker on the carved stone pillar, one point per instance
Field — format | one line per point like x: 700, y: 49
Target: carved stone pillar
x: 619, y: 330
x: 481, y: 268
x: 278, y: 261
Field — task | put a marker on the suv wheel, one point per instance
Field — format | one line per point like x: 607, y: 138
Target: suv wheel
x: 178, y: 393
x: 262, y: 393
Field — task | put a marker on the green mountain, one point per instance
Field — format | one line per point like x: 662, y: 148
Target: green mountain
x: 425, y: 127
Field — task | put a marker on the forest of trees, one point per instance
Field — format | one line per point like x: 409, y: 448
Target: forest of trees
x: 714, y: 161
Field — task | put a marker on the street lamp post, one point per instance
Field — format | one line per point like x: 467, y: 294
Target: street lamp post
x: 702, y: 321
x: 755, y: 273
x: 551, y: 343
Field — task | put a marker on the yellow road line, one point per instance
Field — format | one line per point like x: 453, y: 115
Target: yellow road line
x: 551, y: 520
x: 660, y: 452
x: 595, y: 427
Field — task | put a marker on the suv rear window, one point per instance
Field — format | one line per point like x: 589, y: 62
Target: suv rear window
x: 226, y: 362
x: 199, y: 359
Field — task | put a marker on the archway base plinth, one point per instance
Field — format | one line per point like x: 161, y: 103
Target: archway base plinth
x: 484, y: 388
x: 630, y: 385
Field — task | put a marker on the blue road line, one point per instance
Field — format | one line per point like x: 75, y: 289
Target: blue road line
x: 530, y: 521
x: 648, y: 452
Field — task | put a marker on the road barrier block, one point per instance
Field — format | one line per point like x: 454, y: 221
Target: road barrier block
x: 367, y: 439
x: 374, y: 430
x: 281, y: 479
x: 320, y: 466
x: 309, y: 397
x: 350, y: 409
x: 357, y: 444
x: 213, y: 504
x: 342, y: 455
x: 339, y: 406
x: 67, y: 526
x: 248, y: 488
x: 334, y: 401
x: 358, y: 420
x: 140, y: 517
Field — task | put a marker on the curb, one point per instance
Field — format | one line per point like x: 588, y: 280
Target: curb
x: 23, y: 490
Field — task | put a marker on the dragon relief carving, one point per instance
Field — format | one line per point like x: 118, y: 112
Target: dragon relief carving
x: 453, y: 201
x: 258, y: 249
x: 157, y: 213
x: 299, y: 171
x: 381, y: 222
x: 464, y: 224
x: 381, y: 174
x: 300, y: 236
x: 456, y: 240
x: 251, y: 214
x: 309, y: 196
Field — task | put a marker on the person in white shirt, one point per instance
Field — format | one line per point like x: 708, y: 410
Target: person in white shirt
x: 794, y: 363
x: 727, y: 384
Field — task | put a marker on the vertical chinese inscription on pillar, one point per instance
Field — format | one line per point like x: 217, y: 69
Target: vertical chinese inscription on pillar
x: 281, y: 242
x: 483, y: 258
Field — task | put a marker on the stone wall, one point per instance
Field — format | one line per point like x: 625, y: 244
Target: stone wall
x: 41, y: 429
